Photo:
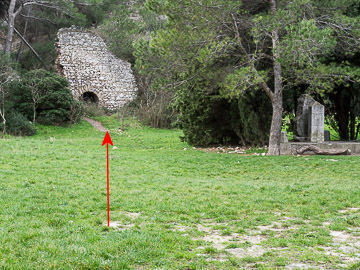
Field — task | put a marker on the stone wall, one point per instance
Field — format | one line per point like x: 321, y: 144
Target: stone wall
x: 291, y: 148
x: 88, y: 65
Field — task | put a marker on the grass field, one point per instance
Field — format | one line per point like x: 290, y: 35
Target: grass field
x: 175, y: 207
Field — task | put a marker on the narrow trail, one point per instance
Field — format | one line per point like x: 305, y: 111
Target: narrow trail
x: 95, y: 124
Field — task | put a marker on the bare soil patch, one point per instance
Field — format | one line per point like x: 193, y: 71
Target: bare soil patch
x: 122, y: 226
x: 95, y: 124
x: 252, y: 243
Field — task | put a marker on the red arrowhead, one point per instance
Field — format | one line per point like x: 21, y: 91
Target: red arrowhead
x: 107, y: 139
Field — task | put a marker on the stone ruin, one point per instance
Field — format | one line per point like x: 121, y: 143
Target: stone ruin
x: 309, y: 120
x: 94, y: 74
x: 310, y: 136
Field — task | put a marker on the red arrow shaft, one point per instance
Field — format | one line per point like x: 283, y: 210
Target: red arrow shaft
x: 108, y: 204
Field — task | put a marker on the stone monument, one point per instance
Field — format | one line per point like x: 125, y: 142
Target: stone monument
x: 284, y: 137
x: 310, y: 136
x: 316, y: 123
x: 302, y: 116
x: 309, y: 120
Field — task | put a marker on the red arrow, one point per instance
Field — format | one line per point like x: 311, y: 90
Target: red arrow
x: 107, y: 141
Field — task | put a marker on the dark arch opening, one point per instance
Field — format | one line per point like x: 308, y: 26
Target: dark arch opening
x: 90, y: 97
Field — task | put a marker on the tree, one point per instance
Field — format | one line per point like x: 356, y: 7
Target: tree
x: 7, y: 74
x: 36, y: 95
x: 343, y: 109
x: 272, y: 45
x: 16, y: 7
x: 127, y: 23
x: 275, y: 95
x: 342, y: 98
x: 12, y: 13
x: 294, y: 36
x: 47, y: 99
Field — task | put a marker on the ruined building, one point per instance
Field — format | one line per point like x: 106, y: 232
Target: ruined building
x: 94, y: 74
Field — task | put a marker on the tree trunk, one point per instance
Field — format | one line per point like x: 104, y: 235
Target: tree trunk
x: 276, y: 123
x: 11, y: 26
x: 277, y: 102
x: 342, y: 117
x: 277, y: 106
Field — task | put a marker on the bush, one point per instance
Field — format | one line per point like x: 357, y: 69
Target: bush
x: 18, y: 125
x: 212, y: 119
x: 20, y: 99
x: 93, y: 109
x: 38, y: 95
x: 205, y: 119
x: 154, y: 109
x: 251, y: 119
x: 54, y: 103
x: 76, y: 112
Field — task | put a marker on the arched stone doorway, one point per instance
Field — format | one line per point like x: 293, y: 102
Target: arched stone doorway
x: 90, y: 97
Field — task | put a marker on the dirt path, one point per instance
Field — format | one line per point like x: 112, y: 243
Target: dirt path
x: 95, y: 124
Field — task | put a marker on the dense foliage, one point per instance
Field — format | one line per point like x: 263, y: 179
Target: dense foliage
x: 342, y: 101
x: 43, y: 97
x: 18, y: 125
x: 212, y: 119
x: 38, y: 21
x: 38, y: 96
x: 209, y: 51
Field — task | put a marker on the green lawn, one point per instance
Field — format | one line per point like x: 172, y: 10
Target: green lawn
x: 176, y: 207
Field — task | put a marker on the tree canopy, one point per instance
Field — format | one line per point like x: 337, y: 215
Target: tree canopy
x: 229, y: 48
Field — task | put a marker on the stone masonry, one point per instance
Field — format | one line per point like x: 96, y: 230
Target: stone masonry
x: 90, y: 68
x: 316, y: 123
x: 309, y: 120
x: 302, y: 115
